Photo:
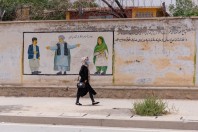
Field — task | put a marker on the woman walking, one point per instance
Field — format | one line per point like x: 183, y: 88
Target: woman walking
x: 85, y: 78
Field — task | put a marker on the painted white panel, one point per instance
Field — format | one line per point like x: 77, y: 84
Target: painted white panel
x: 87, y: 41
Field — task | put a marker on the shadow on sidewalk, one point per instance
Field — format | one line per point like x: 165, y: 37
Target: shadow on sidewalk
x: 10, y: 108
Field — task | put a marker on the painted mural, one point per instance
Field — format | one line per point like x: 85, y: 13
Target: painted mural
x: 100, y: 58
x: 60, y: 53
x: 34, y: 56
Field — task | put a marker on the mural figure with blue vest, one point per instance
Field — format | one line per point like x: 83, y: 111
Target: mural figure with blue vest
x: 34, y: 57
x: 62, y: 58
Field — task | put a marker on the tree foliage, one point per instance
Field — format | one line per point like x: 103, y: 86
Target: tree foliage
x: 43, y: 9
x: 40, y: 9
x: 184, y: 8
x: 84, y: 4
x: 57, y: 8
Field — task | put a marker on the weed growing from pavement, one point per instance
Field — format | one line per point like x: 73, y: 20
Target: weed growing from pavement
x: 151, y: 106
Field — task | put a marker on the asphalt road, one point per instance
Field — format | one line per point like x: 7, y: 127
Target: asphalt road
x: 9, y: 127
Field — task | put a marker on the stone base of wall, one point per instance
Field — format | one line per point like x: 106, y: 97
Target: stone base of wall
x: 120, y: 92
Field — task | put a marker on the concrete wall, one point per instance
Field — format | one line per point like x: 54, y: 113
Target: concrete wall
x: 149, y: 52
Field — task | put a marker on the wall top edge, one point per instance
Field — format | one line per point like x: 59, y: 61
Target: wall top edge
x: 97, y: 20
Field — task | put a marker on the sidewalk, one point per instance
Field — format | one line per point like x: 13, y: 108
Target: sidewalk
x: 110, y: 113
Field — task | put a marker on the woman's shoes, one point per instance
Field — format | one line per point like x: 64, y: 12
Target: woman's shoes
x: 59, y: 73
x: 94, y: 103
x: 78, y: 104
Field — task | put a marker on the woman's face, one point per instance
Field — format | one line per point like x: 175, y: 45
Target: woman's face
x: 87, y: 61
x: 99, y: 41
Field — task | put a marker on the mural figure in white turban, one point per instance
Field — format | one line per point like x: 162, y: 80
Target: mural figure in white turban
x: 62, y: 58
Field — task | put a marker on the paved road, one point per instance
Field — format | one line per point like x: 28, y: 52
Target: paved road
x: 8, y: 127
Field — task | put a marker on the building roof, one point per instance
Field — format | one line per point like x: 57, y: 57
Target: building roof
x: 117, y: 8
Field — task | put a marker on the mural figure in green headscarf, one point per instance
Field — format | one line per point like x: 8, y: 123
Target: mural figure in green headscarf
x: 100, y: 58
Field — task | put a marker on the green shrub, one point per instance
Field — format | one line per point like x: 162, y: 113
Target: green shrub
x: 150, y: 107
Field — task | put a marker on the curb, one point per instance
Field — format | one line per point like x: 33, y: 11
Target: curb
x: 179, y: 125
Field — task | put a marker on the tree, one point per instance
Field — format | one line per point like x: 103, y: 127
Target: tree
x: 184, y: 8
x: 80, y: 4
x: 84, y: 4
x: 53, y: 10
x: 40, y: 9
x: 9, y: 6
x: 121, y: 13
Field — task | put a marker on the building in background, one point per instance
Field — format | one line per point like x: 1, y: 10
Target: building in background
x: 107, y: 13
x: 23, y: 13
